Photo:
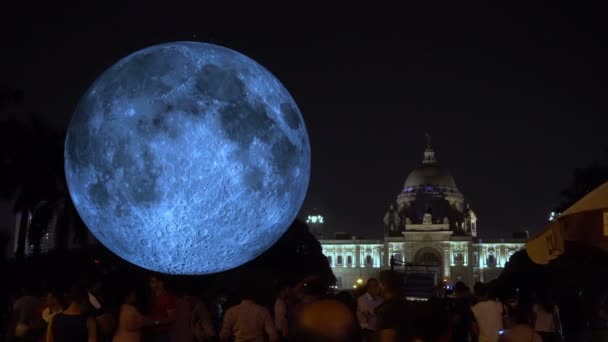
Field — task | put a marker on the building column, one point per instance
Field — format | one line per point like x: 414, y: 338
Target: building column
x: 452, y: 256
x: 446, y: 262
x: 465, y: 254
x: 375, y: 257
x: 361, y: 257
x: 498, y: 256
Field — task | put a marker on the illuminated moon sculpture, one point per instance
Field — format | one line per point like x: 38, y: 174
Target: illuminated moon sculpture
x: 187, y: 158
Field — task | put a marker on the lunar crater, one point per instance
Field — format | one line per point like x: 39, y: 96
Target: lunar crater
x: 187, y: 158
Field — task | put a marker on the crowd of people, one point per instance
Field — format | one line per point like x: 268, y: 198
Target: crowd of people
x: 305, y: 311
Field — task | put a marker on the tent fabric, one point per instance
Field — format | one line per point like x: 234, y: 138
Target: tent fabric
x: 595, y: 200
x: 548, y: 245
x: 585, y: 221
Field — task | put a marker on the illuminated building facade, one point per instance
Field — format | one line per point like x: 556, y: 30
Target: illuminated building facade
x: 428, y: 232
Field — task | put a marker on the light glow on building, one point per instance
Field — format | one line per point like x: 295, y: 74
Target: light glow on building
x: 314, y: 219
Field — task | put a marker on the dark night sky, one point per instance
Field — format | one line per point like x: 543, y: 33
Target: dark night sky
x: 514, y: 99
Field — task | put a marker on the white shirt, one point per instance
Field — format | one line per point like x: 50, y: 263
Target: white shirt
x: 520, y: 333
x: 94, y: 302
x: 366, y: 311
x: 489, y: 319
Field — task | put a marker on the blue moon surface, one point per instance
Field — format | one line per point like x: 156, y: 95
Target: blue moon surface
x: 187, y: 158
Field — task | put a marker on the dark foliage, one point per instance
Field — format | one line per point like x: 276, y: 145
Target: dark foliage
x: 584, y: 180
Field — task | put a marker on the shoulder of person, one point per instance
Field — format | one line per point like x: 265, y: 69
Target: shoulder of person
x: 230, y: 310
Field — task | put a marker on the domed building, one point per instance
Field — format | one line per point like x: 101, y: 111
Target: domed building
x: 429, y: 201
x: 430, y: 236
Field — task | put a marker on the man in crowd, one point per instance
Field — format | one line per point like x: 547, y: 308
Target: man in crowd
x: 462, y: 317
x: 393, y: 322
x: 366, y: 309
x: 163, y: 311
x: 488, y: 315
x: 248, y: 321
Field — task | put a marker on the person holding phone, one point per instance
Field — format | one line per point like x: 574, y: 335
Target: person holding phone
x: 522, y: 330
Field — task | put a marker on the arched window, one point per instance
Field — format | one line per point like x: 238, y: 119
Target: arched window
x: 349, y: 260
x: 398, y: 257
x: 339, y: 260
x: 329, y: 260
x: 491, y: 259
x: 475, y: 259
x: 430, y: 259
x: 458, y: 257
x: 369, y: 260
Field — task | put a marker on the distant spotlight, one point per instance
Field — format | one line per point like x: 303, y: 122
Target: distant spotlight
x: 553, y: 215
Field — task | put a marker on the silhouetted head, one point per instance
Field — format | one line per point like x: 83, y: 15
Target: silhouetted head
x: 373, y: 287
x: 54, y: 298
x: 481, y: 290
x: 314, y: 286
x: 347, y: 298
x: 391, y: 283
x: 249, y: 292
x: 460, y: 289
x: 327, y: 321
x: 157, y: 283
x: 282, y: 288
x: 78, y: 294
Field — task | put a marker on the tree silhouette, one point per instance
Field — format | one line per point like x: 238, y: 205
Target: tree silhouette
x: 32, y: 166
x: 584, y: 180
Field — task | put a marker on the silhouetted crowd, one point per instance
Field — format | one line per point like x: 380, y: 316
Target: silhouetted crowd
x: 131, y: 311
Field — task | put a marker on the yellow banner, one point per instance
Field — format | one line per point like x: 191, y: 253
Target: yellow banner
x: 547, y: 246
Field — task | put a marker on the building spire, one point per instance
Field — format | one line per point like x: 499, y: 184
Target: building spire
x: 429, y: 152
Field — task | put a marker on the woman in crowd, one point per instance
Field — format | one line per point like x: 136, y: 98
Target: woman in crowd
x: 54, y: 305
x: 202, y: 326
x: 73, y: 324
x: 130, y: 320
x: 546, y: 319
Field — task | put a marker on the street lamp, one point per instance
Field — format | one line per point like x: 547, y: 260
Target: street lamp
x: 359, y: 281
x: 354, y: 286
